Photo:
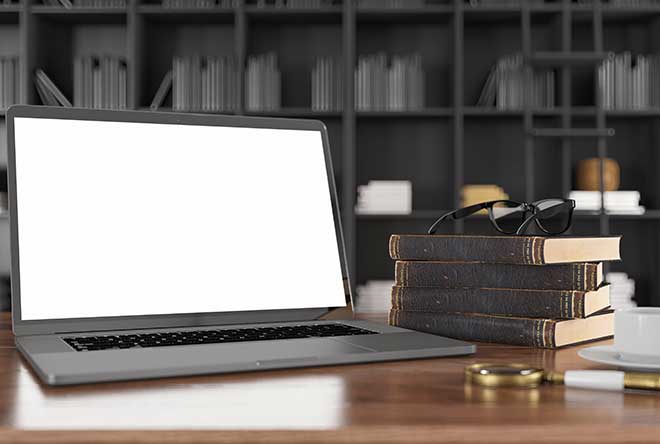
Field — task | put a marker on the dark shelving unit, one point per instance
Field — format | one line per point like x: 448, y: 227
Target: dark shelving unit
x: 440, y: 148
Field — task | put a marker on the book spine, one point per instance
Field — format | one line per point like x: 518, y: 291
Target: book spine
x: 512, y: 250
x: 500, y: 329
x: 579, y: 277
x: 494, y: 301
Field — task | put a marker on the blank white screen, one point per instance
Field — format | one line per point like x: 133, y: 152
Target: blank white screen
x: 121, y: 219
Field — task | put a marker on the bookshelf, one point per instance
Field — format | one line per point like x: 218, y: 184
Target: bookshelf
x: 448, y: 143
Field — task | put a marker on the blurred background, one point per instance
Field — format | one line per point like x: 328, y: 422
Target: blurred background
x: 430, y: 104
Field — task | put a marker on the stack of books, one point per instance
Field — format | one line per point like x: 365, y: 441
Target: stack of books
x: 622, y: 290
x: 327, y: 85
x: 385, y: 197
x: 100, y: 82
x: 397, y: 85
x: 616, y: 202
x: 374, y: 296
x: 519, y: 290
x: 627, y: 82
x: 263, y: 84
x: 504, y: 87
x: 9, y: 81
x: 201, y: 84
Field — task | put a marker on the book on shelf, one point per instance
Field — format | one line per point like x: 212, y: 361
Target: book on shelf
x: 384, y: 197
x: 571, y: 276
x: 393, y: 83
x: 393, y: 4
x: 374, y: 296
x: 48, y: 92
x: 327, y: 85
x: 189, y: 4
x: 504, y: 86
x: 523, y: 250
x: 616, y: 202
x: 627, y: 82
x: 293, y: 4
x: 9, y: 81
x: 100, y: 82
x: 203, y: 84
x: 535, y: 332
x: 503, y: 2
x: 163, y: 90
x: 622, y: 293
x: 556, y: 304
x: 263, y: 83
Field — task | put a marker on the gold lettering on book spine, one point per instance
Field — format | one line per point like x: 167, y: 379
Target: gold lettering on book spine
x: 538, y: 250
x: 525, y: 250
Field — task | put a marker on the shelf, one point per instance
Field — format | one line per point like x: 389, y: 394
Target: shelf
x: 483, y: 111
x: 430, y: 14
x: 331, y: 14
x: 429, y: 112
x: 415, y: 215
x: 557, y: 133
x: 577, y: 111
x: 648, y: 215
x: 434, y: 214
x: 10, y: 14
x: 296, y: 112
x: 543, y: 58
x: 80, y: 15
x: 158, y: 14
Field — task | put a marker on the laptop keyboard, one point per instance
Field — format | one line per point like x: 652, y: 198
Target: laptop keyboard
x: 174, y: 338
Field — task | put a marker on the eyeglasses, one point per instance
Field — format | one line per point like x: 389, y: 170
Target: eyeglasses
x: 552, y: 216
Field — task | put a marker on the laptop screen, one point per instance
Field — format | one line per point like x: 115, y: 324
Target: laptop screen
x: 128, y: 219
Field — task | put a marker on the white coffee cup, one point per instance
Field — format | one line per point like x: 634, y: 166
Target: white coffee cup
x: 637, y: 334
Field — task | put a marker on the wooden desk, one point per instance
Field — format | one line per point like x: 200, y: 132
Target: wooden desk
x: 412, y: 402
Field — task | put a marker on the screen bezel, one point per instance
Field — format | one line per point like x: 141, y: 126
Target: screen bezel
x: 48, y: 326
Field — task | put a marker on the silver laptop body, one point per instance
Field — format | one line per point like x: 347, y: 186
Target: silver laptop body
x: 157, y: 225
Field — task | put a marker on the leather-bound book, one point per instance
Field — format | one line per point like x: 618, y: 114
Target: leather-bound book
x: 579, y: 277
x: 559, y: 304
x: 545, y: 333
x: 524, y: 250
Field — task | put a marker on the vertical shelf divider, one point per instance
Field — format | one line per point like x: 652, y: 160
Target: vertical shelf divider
x: 459, y: 111
x: 240, y: 44
x: 566, y: 85
x: 349, y: 154
x: 134, y: 53
x: 27, y: 52
x: 528, y: 118
x: 600, y: 117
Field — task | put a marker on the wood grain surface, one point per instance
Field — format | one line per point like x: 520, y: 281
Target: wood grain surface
x: 410, y: 401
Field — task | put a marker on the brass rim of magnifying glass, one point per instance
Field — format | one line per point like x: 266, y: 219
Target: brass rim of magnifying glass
x: 504, y: 375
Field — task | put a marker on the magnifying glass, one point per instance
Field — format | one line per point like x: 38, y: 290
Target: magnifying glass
x: 528, y: 376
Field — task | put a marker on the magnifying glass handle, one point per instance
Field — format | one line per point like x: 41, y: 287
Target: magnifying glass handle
x: 606, y: 379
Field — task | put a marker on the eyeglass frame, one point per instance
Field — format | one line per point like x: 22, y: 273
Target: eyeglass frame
x: 461, y: 213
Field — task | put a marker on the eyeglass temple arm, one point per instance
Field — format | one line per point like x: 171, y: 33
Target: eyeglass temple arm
x: 458, y: 214
x: 548, y: 212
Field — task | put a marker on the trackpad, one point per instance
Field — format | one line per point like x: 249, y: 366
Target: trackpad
x: 402, y: 341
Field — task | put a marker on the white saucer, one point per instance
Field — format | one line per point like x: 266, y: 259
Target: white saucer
x: 605, y: 354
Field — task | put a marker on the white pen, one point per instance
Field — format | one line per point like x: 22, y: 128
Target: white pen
x: 605, y: 379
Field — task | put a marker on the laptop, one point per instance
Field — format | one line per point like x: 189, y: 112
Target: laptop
x: 148, y: 245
